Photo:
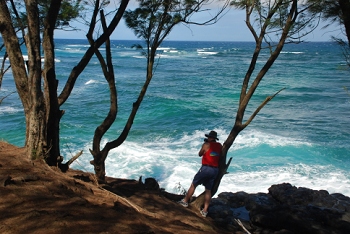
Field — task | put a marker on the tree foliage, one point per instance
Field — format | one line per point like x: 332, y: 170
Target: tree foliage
x: 69, y: 11
x: 335, y: 11
x: 153, y: 20
x: 270, y: 18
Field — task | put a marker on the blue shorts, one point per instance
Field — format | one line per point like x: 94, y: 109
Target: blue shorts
x: 206, y: 176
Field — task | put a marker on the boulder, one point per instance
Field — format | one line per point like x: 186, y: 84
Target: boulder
x: 284, y: 209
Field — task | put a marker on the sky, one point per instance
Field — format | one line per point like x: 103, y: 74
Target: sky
x: 231, y: 27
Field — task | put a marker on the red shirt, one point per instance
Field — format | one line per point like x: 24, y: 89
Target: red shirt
x: 211, y: 157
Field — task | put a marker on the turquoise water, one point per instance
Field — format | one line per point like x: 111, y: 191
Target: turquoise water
x: 301, y: 137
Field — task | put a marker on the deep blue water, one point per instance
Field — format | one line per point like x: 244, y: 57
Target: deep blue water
x: 301, y: 137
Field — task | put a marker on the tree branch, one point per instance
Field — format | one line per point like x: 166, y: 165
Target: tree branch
x: 267, y: 100
x: 1, y: 99
x: 90, y: 52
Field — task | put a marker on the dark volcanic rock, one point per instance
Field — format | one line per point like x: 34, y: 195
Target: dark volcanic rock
x: 285, y: 209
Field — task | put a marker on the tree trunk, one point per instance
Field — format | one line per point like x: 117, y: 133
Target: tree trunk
x: 42, y: 118
x: 345, y: 8
x: 53, y: 111
x: 28, y: 85
x: 99, y: 165
x: 36, y: 114
x: 15, y: 54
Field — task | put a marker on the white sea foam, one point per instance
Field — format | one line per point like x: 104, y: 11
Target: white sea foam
x: 207, y: 52
x: 174, y: 162
x: 165, y: 56
x: 78, y: 45
x: 138, y: 56
x: 164, y: 48
x: 75, y: 50
x: 317, y: 177
x: 80, y: 89
x: 292, y: 52
x: 248, y: 139
x: 8, y: 110
x: 128, y: 53
x: 173, y: 168
x: 256, y: 138
x: 92, y: 82
x: 25, y: 58
x: 168, y: 50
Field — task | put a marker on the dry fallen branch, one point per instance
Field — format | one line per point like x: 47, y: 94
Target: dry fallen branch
x: 125, y: 201
x: 130, y: 204
x: 70, y: 161
x: 242, y: 226
x: 64, y: 167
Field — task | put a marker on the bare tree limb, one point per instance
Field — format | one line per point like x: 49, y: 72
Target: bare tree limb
x: 1, y: 99
x: 267, y: 100
x: 90, y: 52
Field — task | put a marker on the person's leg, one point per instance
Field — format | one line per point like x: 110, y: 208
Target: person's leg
x: 207, y: 198
x: 189, y: 194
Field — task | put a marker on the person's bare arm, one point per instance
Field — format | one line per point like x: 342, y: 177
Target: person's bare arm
x: 204, y: 149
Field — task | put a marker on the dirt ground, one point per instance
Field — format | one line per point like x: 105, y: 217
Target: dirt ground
x: 36, y: 198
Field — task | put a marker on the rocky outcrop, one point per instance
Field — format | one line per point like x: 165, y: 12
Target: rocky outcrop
x: 284, y: 209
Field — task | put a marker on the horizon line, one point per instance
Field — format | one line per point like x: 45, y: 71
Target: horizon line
x: 187, y: 40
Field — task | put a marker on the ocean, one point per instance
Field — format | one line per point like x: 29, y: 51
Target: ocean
x: 301, y: 137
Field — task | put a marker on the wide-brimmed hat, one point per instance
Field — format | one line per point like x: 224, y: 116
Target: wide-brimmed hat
x: 212, y: 134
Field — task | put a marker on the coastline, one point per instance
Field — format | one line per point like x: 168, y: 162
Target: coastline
x: 41, y: 199
x: 36, y: 198
x: 295, y: 139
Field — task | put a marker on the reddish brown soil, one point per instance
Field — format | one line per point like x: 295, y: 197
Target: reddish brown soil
x: 36, y: 198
